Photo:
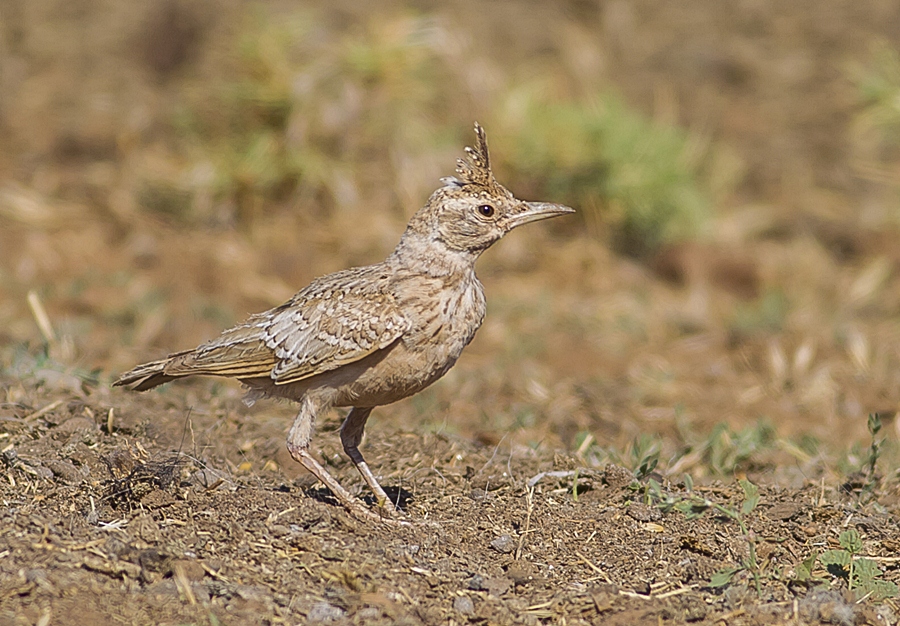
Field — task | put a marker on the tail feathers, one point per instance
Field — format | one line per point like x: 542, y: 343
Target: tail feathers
x: 146, y: 376
x: 229, y: 361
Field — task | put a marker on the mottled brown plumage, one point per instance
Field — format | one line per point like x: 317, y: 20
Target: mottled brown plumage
x: 369, y: 336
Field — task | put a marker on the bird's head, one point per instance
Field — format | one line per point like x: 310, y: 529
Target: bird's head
x: 472, y: 210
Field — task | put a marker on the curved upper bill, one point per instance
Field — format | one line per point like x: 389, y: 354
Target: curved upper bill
x: 534, y: 211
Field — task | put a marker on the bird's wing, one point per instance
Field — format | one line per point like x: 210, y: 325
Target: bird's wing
x: 330, y: 328
x: 332, y: 322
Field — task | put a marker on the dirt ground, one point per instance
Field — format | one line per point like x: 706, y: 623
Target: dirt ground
x: 184, y: 513
x: 527, y: 473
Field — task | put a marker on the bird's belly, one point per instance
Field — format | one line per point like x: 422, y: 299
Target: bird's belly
x: 402, y: 373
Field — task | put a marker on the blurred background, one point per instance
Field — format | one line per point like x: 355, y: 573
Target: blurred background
x: 730, y: 284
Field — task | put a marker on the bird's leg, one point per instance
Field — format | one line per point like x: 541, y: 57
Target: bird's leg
x: 351, y: 436
x: 298, y: 445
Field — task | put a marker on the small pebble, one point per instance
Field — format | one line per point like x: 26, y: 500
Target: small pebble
x: 120, y: 462
x: 463, y: 605
x: 280, y: 530
x: 368, y: 613
x: 494, y: 586
x: 783, y: 511
x: 520, y: 572
x: 324, y: 612
x: 498, y: 586
x: 504, y: 544
x: 10, y: 457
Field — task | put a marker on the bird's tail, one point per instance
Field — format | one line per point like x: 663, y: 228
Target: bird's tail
x: 149, y: 375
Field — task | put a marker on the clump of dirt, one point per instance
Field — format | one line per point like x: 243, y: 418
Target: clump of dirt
x: 137, y: 509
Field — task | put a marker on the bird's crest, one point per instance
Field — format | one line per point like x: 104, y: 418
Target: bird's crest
x: 475, y: 169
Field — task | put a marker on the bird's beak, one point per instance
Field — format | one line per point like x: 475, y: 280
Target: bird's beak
x: 534, y: 211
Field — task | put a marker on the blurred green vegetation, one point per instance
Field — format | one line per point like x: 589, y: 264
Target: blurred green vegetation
x: 878, y: 122
x: 763, y: 316
x: 638, y: 177
x: 318, y: 117
x: 726, y: 450
x: 879, y: 89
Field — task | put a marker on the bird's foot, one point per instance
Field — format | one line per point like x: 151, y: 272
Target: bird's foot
x: 381, y: 514
x: 386, y: 513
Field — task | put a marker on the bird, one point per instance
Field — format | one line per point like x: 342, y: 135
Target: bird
x: 369, y: 336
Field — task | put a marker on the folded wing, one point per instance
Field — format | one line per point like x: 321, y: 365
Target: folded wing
x: 332, y: 322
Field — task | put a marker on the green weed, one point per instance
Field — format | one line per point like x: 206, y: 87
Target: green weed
x: 641, y: 458
x: 860, y: 465
x: 874, y: 426
x: 644, y: 455
x: 863, y: 575
x: 803, y: 573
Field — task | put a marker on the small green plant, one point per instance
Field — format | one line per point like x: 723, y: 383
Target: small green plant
x: 863, y: 575
x: 694, y: 506
x: 641, y: 458
x: 644, y: 456
x: 874, y: 426
x: 803, y: 573
x: 860, y: 464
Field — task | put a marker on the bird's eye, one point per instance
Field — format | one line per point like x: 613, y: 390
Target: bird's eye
x: 486, y: 210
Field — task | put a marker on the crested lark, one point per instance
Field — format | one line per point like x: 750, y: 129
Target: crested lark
x: 369, y: 336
